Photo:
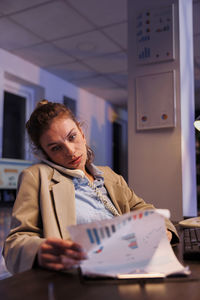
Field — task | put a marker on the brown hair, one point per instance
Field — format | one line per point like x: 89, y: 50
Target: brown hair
x: 41, y: 119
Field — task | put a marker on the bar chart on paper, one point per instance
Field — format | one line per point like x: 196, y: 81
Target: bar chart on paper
x: 134, y: 243
x: 97, y: 235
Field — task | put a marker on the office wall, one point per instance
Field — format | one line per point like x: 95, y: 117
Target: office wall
x: 162, y: 160
x: 93, y: 111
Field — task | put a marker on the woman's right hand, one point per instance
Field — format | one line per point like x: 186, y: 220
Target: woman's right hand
x: 58, y: 254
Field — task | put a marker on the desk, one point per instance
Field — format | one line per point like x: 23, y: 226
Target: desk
x: 48, y: 285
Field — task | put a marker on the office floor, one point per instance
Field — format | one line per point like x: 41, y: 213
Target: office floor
x: 5, y: 213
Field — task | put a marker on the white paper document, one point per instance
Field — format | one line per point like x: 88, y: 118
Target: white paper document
x: 134, y: 243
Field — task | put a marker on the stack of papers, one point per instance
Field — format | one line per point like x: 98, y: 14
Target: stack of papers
x: 134, y: 245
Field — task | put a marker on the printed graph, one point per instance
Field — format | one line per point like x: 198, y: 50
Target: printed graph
x: 97, y: 235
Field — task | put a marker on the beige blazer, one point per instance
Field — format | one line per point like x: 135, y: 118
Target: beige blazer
x: 45, y: 206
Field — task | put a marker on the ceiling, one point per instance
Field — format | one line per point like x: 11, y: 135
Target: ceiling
x: 81, y: 41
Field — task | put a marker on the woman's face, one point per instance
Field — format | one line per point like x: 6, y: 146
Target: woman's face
x: 64, y: 143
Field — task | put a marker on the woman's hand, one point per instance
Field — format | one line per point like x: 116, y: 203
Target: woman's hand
x: 169, y: 235
x: 58, y: 254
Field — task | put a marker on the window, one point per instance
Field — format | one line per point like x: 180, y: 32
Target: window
x: 13, y: 126
x: 15, y: 107
x: 70, y: 103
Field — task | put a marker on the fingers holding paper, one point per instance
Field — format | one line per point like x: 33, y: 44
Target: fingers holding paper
x: 58, y: 254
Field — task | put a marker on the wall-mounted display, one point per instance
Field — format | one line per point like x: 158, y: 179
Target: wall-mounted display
x: 155, y: 35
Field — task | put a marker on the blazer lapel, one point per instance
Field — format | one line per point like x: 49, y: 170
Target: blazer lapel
x: 64, y: 201
x: 114, y: 191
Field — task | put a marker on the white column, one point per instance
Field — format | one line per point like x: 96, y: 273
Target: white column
x: 187, y: 108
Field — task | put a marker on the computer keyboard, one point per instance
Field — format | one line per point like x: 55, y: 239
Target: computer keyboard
x: 191, y: 243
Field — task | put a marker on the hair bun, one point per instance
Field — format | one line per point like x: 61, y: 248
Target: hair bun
x: 42, y: 102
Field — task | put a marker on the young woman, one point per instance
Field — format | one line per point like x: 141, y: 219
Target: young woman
x: 65, y: 188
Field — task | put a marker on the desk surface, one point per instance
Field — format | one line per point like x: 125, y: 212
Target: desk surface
x: 43, y: 284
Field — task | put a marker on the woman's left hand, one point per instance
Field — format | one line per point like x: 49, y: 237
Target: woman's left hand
x: 169, y: 235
